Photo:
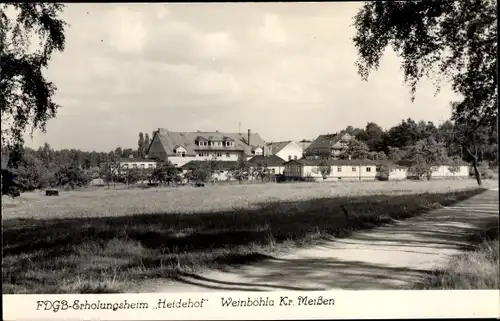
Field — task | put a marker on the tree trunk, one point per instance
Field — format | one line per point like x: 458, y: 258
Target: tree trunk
x: 476, y: 171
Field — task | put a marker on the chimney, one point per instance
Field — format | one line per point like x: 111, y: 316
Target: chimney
x: 248, y: 140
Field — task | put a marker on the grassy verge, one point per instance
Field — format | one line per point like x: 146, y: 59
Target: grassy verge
x: 108, y: 254
x: 476, y: 269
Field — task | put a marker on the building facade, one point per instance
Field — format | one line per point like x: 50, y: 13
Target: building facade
x: 182, y: 147
x: 331, y: 169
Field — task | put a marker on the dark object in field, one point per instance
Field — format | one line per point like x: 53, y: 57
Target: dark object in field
x: 52, y: 192
x: 344, y: 210
x: 153, y: 184
x: 199, y: 185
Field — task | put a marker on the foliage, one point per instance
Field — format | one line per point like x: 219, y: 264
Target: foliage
x: 71, y: 177
x: 376, y: 156
x: 25, y: 94
x: 260, y: 171
x: 355, y: 149
x: 454, y: 164
x: 140, y: 145
x: 165, y: 173
x: 425, y: 156
x: 241, y: 170
x: 200, y: 171
x: 441, y: 40
x: 325, y: 169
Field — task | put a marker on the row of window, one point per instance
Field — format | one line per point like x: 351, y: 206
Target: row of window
x: 216, y: 154
x: 215, y: 144
x: 290, y: 157
x: 141, y: 166
x: 354, y: 169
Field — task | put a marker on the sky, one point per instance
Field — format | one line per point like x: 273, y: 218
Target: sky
x: 283, y: 70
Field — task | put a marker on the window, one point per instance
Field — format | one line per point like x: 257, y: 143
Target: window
x: 125, y: 165
x: 354, y: 169
x: 289, y: 157
x: 218, y: 154
x: 377, y: 169
x: 150, y: 165
x: 273, y: 170
x: 339, y: 169
x: 228, y: 155
x: 295, y: 157
x: 368, y: 169
x: 142, y: 165
x: 134, y: 165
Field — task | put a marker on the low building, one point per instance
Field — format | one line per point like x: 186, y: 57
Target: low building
x: 331, y: 169
x: 137, y: 163
x: 273, y: 163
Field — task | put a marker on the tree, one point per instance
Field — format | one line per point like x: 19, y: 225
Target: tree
x: 146, y: 143
x: 25, y: 94
x: 404, y: 134
x: 440, y: 40
x: 140, y: 145
x: 426, y: 155
x: 377, y: 156
x: 373, y: 137
x: 165, y: 173
x: 200, y: 171
x: 473, y: 143
x: 240, y: 170
x: 324, y: 169
x: 454, y: 164
x: 260, y: 171
x: 355, y: 149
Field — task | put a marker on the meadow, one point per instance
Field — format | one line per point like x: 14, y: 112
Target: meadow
x: 96, y: 241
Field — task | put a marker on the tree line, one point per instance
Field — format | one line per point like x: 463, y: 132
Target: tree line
x: 422, y: 144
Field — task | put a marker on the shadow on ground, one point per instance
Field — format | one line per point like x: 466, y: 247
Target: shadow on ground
x: 159, y: 245
x: 424, y: 240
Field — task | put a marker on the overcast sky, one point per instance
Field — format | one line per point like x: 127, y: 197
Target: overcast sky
x: 285, y: 70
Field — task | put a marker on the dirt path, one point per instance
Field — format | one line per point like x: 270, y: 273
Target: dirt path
x: 387, y: 257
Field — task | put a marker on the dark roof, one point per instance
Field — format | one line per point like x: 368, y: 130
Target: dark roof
x: 187, y: 140
x: 271, y: 160
x: 326, y: 142
x: 338, y: 162
x: 226, y: 165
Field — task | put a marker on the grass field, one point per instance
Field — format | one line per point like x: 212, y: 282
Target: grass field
x: 108, y: 240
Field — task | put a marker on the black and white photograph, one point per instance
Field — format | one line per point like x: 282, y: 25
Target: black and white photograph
x: 249, y: 147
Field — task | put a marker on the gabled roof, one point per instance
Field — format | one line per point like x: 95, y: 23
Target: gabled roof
x: 177, y: 146
x: 170, y: 139
x: 334, y: 162
x: 223, y: 165
x: 275, y: 147
x: 271, y: 160
x: 324, y: 142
